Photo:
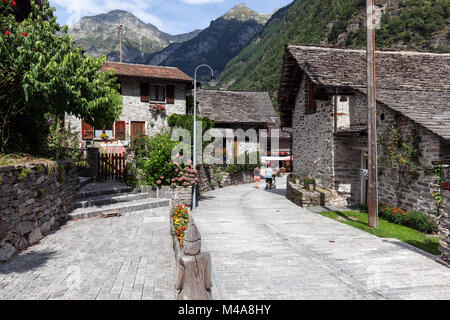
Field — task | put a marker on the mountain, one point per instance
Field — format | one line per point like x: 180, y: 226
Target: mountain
x: 216, y: 45
x: 98, y: 36
x: 405, y: 24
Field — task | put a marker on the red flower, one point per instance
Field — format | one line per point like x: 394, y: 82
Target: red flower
x: 7, y: 32
x: 13, y: 3
x: 24, y: 34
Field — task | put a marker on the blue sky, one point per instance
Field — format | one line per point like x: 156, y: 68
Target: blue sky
x: 171, y: 16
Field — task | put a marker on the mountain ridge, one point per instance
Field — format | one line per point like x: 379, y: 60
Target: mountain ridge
x: 98, y: 36
x: 405, y: 25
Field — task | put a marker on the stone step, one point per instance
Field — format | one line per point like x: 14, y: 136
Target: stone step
x: 123, y: 207
x: 89, y: 191
x: 108, y: 199
x: 84, y: 181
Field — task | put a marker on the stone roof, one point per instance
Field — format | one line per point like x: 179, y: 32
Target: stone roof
x: 415, y: 84
x: 145, y: 71
x: 223, y: 106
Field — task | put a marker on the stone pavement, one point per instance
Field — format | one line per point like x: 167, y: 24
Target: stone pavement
x: 127, y: 257
x: 265, y: 247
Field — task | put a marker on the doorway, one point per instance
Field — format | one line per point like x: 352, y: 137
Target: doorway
x: 137, y: 129
x: 364, y: 176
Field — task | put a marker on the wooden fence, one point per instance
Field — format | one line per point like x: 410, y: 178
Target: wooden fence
x: 111, y: 166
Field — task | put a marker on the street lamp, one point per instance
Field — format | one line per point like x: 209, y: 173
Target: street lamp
x: 194, y: 194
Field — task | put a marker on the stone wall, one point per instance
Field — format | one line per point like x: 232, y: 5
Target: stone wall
x: 444, y: 228
x: 34, y: 199
x: 418, y: 195
x: 182, y: 196
x: 313, y: 139
x: 208, y: 179
x: 296, y: 193
x: 335, y: 160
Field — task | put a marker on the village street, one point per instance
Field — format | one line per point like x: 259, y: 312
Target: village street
x: 262, y: 245
x: 265, y: 247
x: 129, y: 257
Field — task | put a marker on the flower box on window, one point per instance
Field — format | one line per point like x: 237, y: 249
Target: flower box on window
x: 158, y: 108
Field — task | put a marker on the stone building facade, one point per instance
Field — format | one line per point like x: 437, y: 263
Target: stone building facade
x: 236, y: 114
x: 322, y: 98
x: 139, y: 85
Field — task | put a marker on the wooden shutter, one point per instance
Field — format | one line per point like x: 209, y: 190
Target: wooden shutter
x: 87, y: 131
x: 170, y: 94
x: 145, y: 92
x: 119, y: 130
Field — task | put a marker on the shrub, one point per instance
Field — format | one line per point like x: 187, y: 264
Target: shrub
x: 412, y: 219
x: 62, y: 143
x: 419, y: 221
x: 309, y: 181
x: 153, y: 159
x: 234, y: 168
x: 185, y: 175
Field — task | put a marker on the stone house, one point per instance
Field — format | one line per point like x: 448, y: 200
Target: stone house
x: 234, y: 110
x: 322, y: 97
x: 144, y: 89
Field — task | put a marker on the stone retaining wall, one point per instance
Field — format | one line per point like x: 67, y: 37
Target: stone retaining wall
x: 209, y: 178
x: 34, y: 199
x: 303, y: 198
x: 182, y: 196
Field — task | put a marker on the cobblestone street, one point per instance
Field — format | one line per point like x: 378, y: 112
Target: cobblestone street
x: 265, y: 247
x: 127, y: 257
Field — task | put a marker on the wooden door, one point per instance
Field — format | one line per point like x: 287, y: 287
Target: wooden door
x: 119, y: 130
x: 137, y: 129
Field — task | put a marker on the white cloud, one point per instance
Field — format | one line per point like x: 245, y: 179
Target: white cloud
x: 80, y: 8
x: 200, y: 1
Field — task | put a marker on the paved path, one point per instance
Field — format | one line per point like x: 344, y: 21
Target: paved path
x: 265, y: 247
x: 128, y: 257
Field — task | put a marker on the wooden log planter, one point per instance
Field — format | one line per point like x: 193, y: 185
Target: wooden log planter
x: 193, y: 267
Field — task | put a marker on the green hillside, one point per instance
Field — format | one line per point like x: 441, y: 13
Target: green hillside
x: 412, y: 24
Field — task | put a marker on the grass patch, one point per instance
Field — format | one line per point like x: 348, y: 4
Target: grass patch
x: 19, y: 158
x: 387, y: 229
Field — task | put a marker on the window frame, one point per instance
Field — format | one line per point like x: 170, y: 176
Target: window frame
x: 164, y: 86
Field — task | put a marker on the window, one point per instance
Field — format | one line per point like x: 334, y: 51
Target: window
x: 157, y: 93
x: 108, y: 129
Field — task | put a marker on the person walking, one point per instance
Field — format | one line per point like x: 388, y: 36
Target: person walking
x: 269, y: 175
x: 256, y: 177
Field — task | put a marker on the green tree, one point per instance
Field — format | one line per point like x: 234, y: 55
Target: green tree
x: 44, y: 74
x: 400, y: 156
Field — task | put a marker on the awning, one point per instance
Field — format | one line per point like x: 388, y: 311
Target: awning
x: 288, y: 158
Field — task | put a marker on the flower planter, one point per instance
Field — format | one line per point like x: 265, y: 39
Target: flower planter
x: 311, y: 187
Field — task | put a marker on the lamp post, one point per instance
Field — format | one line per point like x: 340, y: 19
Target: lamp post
x: 194, y: 162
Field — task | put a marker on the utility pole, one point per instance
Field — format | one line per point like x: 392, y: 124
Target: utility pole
x: 121, y: 33
x: 372, y: 117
